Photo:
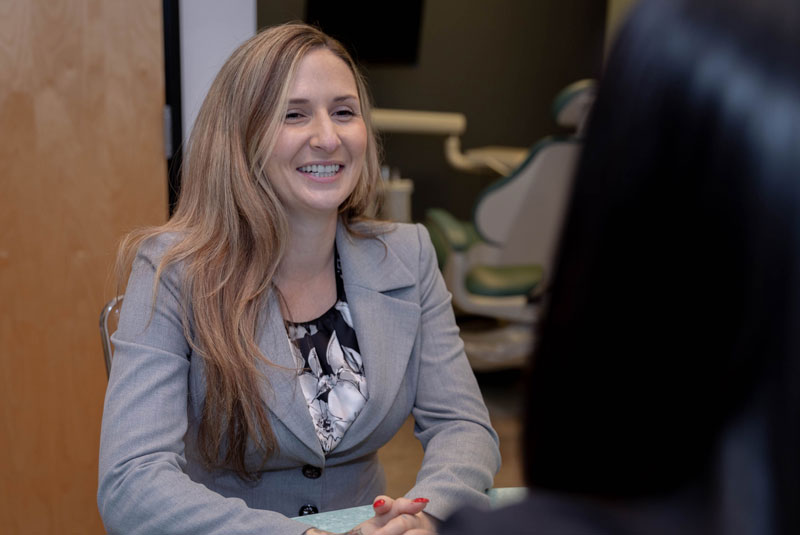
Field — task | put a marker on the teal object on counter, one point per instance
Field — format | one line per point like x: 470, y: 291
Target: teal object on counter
x: 344, y: 519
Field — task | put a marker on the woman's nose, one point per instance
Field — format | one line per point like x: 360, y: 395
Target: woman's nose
x: 325, y: 135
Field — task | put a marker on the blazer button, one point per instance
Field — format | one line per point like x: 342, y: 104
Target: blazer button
x: 308, y: 509
x: 312, y: 472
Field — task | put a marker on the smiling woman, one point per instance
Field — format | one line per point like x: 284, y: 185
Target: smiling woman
x: 272, y: 336
x: 321, y: 146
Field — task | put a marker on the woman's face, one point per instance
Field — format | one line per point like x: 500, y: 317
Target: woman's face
x: 320, y: 149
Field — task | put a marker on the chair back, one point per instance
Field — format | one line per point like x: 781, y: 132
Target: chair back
x: 519, y: 216
x: 109, y: 317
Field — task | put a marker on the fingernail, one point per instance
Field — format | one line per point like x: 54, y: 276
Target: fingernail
x: 421, y: 500
x: 378, y: 503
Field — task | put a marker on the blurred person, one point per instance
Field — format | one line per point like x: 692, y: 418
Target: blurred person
x: 664, y: 392
x: 272, y: 336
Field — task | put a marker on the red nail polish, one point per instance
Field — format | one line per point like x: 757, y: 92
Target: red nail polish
x: 378, y: 503
x: 421, y: 500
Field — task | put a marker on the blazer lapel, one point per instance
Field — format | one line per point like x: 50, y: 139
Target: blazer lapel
x: 283, y: 394
x: 386, y: 326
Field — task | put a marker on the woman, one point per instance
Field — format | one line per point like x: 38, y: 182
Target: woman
x: 272, y: 338
x: 663, y: 395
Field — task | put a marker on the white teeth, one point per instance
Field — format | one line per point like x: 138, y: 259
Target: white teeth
x: 320, y: 170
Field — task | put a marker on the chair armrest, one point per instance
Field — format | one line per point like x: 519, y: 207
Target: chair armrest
x: 459, y: 235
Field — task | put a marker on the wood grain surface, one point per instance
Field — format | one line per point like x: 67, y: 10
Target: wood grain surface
x: 81, y: 162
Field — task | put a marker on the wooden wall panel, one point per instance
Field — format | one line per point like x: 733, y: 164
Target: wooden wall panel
x: 81, y: 162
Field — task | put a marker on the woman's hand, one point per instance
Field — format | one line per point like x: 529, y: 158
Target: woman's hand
x: 393, y: 517
x: 401, y: 516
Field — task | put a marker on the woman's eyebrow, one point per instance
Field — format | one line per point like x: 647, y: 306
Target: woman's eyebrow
x: 342, y: 98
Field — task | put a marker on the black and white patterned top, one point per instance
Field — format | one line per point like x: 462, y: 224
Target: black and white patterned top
x: 332, y: 375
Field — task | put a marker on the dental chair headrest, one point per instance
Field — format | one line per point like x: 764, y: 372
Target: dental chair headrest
x: 572, y: 104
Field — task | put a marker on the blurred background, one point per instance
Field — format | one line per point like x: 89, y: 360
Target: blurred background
x: 96, y: 99
x: 500, y: 63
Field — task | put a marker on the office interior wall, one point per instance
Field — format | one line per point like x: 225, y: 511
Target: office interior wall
x: 210, y: 31
x: 81, y: 162
x: 500, y: 62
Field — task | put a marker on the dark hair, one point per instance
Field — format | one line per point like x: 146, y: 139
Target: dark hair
x: 677, y: 284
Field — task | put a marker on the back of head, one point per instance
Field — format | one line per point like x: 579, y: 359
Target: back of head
x: 678, y: 272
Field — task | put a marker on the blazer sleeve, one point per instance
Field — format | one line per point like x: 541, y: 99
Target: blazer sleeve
x: 452, y: 423
x: 142, y: 485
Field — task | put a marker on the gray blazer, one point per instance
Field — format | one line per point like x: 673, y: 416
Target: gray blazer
x: 151, y: 479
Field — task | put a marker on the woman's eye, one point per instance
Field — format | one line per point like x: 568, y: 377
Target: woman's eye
x: 293, y: 116
x: 344, y: 114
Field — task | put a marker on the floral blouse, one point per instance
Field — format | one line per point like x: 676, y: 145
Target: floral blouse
x: 332, y: 375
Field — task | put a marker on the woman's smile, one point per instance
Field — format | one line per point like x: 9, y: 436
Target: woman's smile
x: 322, y: 172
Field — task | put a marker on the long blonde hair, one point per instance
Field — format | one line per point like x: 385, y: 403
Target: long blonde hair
x: 233, y: 231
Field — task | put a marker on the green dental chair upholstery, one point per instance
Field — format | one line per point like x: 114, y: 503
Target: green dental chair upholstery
x: 496, y: 265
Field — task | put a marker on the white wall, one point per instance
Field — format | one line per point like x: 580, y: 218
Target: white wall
x: 210, y: 30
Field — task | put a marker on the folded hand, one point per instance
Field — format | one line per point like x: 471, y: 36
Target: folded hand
x: 402, y: 517
x: 393, y: 517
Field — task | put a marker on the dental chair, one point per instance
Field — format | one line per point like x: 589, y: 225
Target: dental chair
x: 496, y: 265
